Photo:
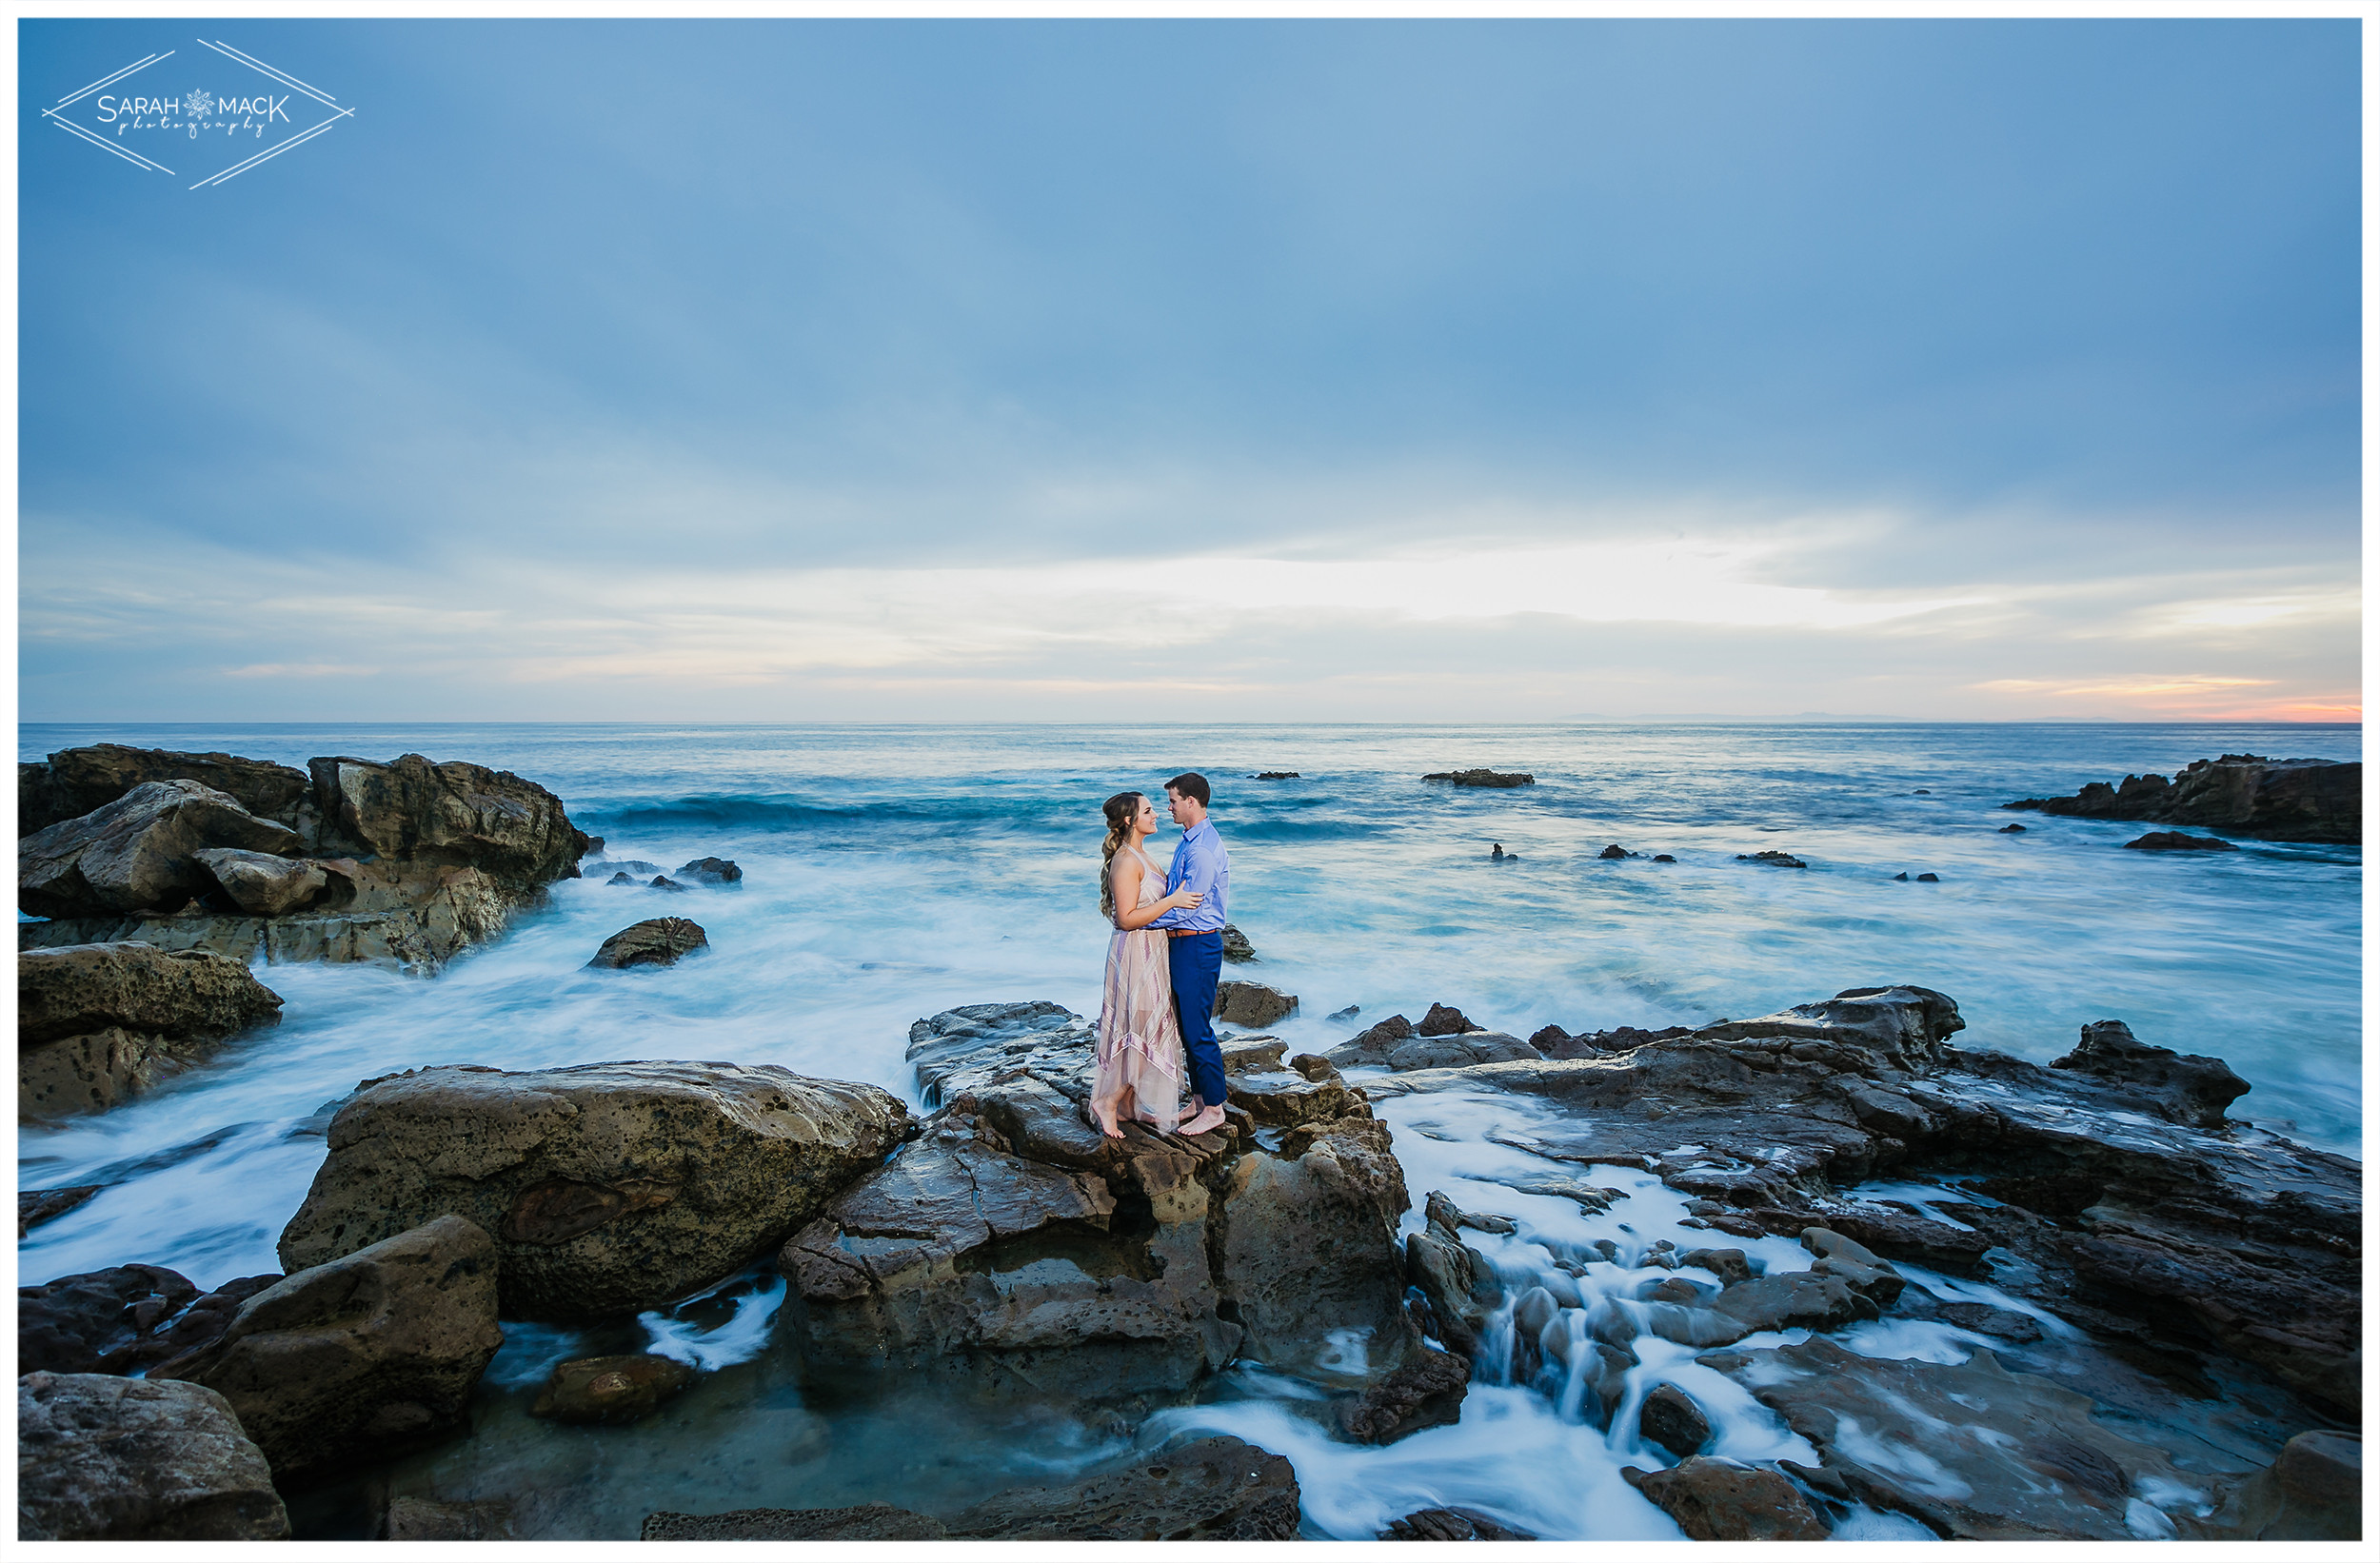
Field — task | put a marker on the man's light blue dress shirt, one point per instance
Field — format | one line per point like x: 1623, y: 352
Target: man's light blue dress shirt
x: 1200, y: 863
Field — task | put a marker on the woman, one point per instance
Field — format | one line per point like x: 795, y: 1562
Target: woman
x: 1139, y: 1040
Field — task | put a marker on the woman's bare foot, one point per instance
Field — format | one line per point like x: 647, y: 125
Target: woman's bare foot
x: 1206, y: 1119
x: 1107, y: 1124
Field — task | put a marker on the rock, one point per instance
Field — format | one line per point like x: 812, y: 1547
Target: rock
x: 2315, y: 801
x: 1308, y: 1250
x: 2011, y: 830
x: 425, y: 1520
x: 1460, y: 1284
x: 135, y: 853
x: 1775, y: 860
x: 1929, y: 878
x: 1347, y: 1014
x: 75, y: 781
x: 2184, y: 1088
x: 1283, y: 1098
x: 1253, y: 1054
x: 101, y: 1458
x: 1455, y: 1052
x: 2174, y: 841
x: 636, y: 868
x: 453, y: 814
x: 1853, y: 1265
x: 1614, y: 851
x: 101, y: 1323
x: 621, y: 878
x: 712, y: 871
x: 1902, y: 876
x: 1483, y: 778
x: 1903, y: 1027
x: 1444, y: 1020
x: 1497, y: 854
x: 656, y: 942
x: 1797, y: 1299
x: 99, y: 1022
x: 1236, y: 946
x: 1451, y: 1525
x: 1373, y: 1044
x: 36, y: 1207
x: 1719, y: 1500
x: 866, y: 1522
x: 1427, y: 1392
x: 1728, y: 1264
x: 1211, y: 1490
x: 1545, y: 1038
x: 1274, y: 776
x: 2312, y: 1493
x: 611, y: 1388
x: 608, y: 1187
x: 1557, y: 1045
x: 1671, y: 1419
x: 1252, y: 1004
x: 1974, y: 1451
x: 260, y: 883
x: 1986, y: 1320
x: 662, y: 882
x: 361, y: 1358
x: 205, y: 1321
x: 1663, y: 857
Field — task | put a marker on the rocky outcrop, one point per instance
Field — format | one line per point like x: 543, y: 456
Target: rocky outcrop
x: 99, y: 1022
x: 1553, y: 1042
x: 361, y: 1358
x: 609, y: 1187
x: 1719, y: 1500
x: 1014, y: 1248
x: 1218, y: 1489
x: 2312, y: 1493
x: 122, y: 1320
x: 2174, y: 841
x: 1776, y: 859
x: 656, y: 942
x: 1483, y: 778
x: 2315, y: 801
x: 2188, y: 1088
x: 1451, y: 1525
x: 611, y: 1388
x: 454, y: 815
x: 37, y: 1207
x: 861, y: 1522
x: 74, y: 781
x: 1252, y: 1003
x: 712, y: 871
x: 1445, y: 1021
x: 1437, y: 1052
x: 2118, y: 1202
x: 261, y: 884
x: 1426, y: 1391
x: 136, y: 853
x: 101, y: 1458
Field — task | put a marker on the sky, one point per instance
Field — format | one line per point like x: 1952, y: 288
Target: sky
x: 1274, y: 371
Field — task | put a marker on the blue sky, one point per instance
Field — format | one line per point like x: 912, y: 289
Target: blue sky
x: 923, y: 371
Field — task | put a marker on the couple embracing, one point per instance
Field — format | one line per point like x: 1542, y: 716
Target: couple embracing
x: 1162, y: 963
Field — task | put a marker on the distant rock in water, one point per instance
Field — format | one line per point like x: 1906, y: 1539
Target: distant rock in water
x: 1483, y: 778
x: 2174, y: 841
x: 1775, y: 860
x: 1498, y: 854
x: 2311, y: 801
x: 1929, y: 878
x: 1663, y: 857
x: 1445, y: 1021
x: 1275, y: 776
x: 621, y: 878
x: 712, y: 871
x: 663, y: 881
x: 2011, y: 830
x: 1347, y: 1014
x: 656, y: 942
x: 1614, y: 851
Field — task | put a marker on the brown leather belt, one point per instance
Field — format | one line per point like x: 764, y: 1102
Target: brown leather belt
x: 1194, y: 933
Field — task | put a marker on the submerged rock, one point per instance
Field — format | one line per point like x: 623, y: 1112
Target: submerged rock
x: 1252, y: 1003
x: 2317, y: 801
x: 612, y: 1389
x: 35, y: 1207
x: 362, y: 1358
x: 1427, y: 1392
x: 136, y: 854
x: 608, y: 1187
x: 1217, y: 1489
x: 101, y: 1458
x: 656, y: 942
x: 1719, y: 1500
x: 99, y: 1022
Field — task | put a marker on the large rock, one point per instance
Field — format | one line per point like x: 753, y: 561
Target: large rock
x: 2194, y: 1089
x: 100, y: 1022
x: 1427, y: 1392
x: 656, y: 942
x: 1670, y: 1418
x: 1308, y: 1248
x: 2312, y: 1493
x: 1483, y: 778
x: 261, y: 884
x: 74, y: 781
x: 105, y: 1321
x: 1252, y: 1003
x: 1719, y: 1500
x: 2319, y: 800
x: 363, y: 1356
x: 136, y: 853
x: 1217, y: 1489
x: 612, y: 1389
x: 1973, y: 1451
x: 608, y: 1187
x: 101, y: 1458
x: 453, y: 814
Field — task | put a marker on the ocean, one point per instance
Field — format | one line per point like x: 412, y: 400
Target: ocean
x: 891, y: 872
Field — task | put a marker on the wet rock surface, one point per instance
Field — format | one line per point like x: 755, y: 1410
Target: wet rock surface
x: 609, y: 1188
x: 2312, y: 801
x: 862, y: 1522
x: 35, y: 1207
x: 712, y: 871
x: 99, y: 1022
x: 2312, y: 1493
x: 612, y: 1389
x: 1670, y: 1418
x: 102, y: 1458
x: 2174, y: 841
x: 1483, y: 778
x: 360, y: 1357
x: 1252, y: 1003
x: 1719, y: 1500
x: 1236, y: 946
x: 1211, y: 1490
x: 657, y: 942
x: 1451, y: 1525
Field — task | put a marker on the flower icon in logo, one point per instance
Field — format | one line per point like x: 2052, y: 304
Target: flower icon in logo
x: 198, y: 103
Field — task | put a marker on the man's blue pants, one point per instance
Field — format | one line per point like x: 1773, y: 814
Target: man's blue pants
x: 1197, y: 962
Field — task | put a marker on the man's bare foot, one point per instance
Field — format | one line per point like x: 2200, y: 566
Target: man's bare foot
x: 1209, y: 1119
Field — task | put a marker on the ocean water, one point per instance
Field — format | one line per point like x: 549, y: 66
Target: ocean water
x: 891, y: 872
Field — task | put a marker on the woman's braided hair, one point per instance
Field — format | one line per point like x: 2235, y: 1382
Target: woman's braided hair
x: 1120, y: 810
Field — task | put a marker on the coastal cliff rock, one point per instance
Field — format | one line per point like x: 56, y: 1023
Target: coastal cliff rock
x: 362, y: 1358
x: 2120, y: 1199
x: 2313, y: 801
x: 100, y: 1458
x: 402, y: 864
x: 99, y: 1022
x: 609, y: 1187
x: 1015, y: 1248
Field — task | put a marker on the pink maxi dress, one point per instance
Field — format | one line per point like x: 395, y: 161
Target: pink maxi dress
x: 1139, y: 1037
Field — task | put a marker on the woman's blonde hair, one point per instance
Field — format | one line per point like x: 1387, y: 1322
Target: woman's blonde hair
x: 1120, y: 810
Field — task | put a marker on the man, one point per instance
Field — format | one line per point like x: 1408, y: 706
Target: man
x: 1195, y: 945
